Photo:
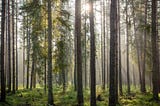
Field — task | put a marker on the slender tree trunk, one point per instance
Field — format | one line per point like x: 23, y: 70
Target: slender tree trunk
x: 104, y: 48
x: 144, y: 51
x: 24, y: 52
x: 13, y: 48
x: 34, y: 77
x: 75, y: 62
x: 45, y: 68
x: 64, y: 80
x: 107, y: 42
x: 6, y: 45
x: 127, y: 35
x: 102, y: 60
x: 9, y: 49
x: 120, y: 65
x: 155, y: 60
x: 3, y: 84
x: 28, y: 53
x: 45, y: 76
x: 92, y: 56
x: 24, y: 57
x: 113, y: 36
x: 16, y: 46
x: 85, y: 36
x: 32, y: 71
x: 116, y: 59
x: 134, y: 78
x: 79, y: 53
x: 50, y: 91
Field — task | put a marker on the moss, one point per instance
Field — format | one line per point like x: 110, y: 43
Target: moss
x: 37, y: 97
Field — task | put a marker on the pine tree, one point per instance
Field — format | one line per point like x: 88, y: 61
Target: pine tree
x: 3, y: 85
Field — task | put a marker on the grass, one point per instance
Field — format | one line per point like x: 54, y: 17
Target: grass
x: 37, y: 97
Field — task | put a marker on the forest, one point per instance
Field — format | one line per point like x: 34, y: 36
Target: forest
x: 79, y: 53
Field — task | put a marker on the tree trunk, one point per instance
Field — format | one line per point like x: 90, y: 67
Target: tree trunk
x: 113, y: 41
x: 13, y: 48
x: 75, y: 62
x: 45, y: 76
x: 85, y: 36
x: 45, y: 65
x: 9, y: 49
x: 24, y: 41
x: 16, y: 46
x: 155, y: 54
x: 116, y: 60
x: 144, y: 51
x: 104, y: 48
x: 127, y: 35
x: 120, y: 64
x: 3, y: 84
x: 28, y: 53
x: 92, y: 56
x: 102, y: 60
x: 50, y: 92
x: 64, y: 80
x: 32, y: 71
x: 79, y: 53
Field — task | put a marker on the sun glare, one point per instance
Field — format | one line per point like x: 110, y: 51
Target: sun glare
x: 87, y: 7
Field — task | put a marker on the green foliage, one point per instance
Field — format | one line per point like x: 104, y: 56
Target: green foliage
x: 138, y: 99
x: 37, y: 97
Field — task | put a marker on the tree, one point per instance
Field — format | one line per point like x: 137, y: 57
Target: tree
x: 155, y: 54
x: 16, y: 46
x: 79, y: 52
x: 113, y: 42
x: 13, y: 48
x: 92, y: 56
x: 102, y: 53
x: 75, y: 62
x: 3, y: 85
x: 85, y: 47
x: 9, y: 49
x: 28, y: 52
x: 127, y: 53
x: 50, y: 93
x: 104, y: 47
x: 143, y: 88
x: 120, y: 64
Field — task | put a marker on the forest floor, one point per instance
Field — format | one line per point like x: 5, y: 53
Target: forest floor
x: 37, y: 97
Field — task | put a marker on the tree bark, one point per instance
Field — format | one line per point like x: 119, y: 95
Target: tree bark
x: 85, y: 36
x: 79, y: 52
x: 50, y: 92
x: 3, y: 85
x: 127, y: 35
x: 155, y: 54
x: 92, y: 56
x: 13, y: 47
x: 28, y: 53
x: 9, y: 49
x: 113, y: 36
x: 16, y: 46
x: 104, y: 48
x: 144, y: 51
x: 120, y: 64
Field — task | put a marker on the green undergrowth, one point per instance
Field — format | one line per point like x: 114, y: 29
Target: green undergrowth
x: 37, y: 97
x: 138, y: 99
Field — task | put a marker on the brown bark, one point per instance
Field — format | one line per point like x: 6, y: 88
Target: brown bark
x: 155, y: 54
x: 3, y: 85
